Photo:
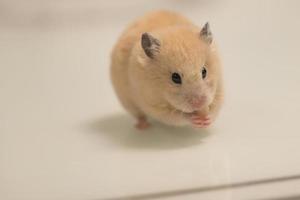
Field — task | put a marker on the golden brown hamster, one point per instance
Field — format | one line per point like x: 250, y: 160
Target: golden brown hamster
x: 166, y: 68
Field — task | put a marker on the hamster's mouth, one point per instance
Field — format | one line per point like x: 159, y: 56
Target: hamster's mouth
x: 186, y: 111
x: 185, y: 108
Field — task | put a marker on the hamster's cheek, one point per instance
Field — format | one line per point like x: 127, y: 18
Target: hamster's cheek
x: 210, y: 97
x: 210, y: 83
x: 176, y: 102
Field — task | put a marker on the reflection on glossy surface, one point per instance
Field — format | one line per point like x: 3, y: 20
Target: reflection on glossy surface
x: 119, y: 129
x: 190, y: 191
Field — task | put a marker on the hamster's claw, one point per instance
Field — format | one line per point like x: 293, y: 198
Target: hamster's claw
x: 200, y: 122
x: 142, y: 123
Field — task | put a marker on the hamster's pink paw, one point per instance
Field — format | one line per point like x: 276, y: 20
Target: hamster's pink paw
x: 200, y: 121
x: 142, y: 124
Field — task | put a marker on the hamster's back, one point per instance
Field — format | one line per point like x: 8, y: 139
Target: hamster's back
x: 149, y: 22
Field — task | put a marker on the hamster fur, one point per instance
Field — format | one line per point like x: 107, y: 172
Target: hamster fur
x: 144, y: 60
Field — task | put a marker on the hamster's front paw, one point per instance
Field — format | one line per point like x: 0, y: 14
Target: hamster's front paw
x: 200, y: 121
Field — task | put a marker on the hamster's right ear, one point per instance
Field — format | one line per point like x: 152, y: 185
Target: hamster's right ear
x: 150, y: 44
x: 206, y: 34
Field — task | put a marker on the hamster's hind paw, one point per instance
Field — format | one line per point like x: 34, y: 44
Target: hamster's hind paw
x: 142, y: 123
x: 200, y: 121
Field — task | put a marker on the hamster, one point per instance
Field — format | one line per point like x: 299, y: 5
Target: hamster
x: 166, y: 68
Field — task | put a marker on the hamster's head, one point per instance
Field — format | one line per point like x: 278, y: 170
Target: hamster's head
x: 181, y: 62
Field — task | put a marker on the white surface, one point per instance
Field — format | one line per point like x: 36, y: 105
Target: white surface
x: 63, y: 134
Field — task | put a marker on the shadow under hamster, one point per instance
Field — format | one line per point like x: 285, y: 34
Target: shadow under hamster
x: 119, y: 129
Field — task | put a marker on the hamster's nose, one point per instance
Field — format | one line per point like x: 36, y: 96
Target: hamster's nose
x: 197, y: 102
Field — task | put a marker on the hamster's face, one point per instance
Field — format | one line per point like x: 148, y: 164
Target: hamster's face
x: 185, y: 69
x: 189, y: 83
x: 190, y: 90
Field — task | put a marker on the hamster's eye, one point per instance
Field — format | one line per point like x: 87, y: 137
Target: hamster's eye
x: 176, y: 78
x: 204, y: 72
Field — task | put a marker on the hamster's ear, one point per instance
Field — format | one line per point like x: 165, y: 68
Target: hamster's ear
x: 150, y: 45
x: 205, y: 34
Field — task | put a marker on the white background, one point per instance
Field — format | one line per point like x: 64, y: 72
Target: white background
x: 64, y: 135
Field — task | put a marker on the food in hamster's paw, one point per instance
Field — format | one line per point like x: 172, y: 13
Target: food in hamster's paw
x: 199, y: 121
x: 142, y: 123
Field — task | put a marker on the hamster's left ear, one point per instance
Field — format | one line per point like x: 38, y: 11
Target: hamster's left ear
x: 205, y: 34
x: 150, y: 44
